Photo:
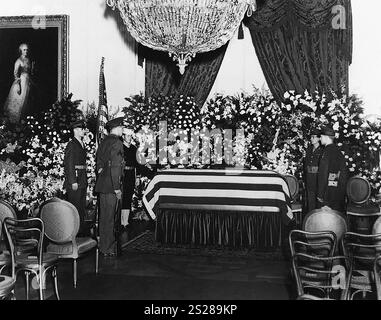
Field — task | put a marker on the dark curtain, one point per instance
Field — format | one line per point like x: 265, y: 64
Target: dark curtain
x: 298, y: 47
x: 255, y: 230
x: 163, y: 76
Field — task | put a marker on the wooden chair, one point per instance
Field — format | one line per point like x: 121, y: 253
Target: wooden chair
x: 360, y: 212
x: 325, y: 219
x: 377, y: 275
x: 313, y: 243
x: 8, y: 282
x: 61, y: 220
x: 328, y: 275
x: 29, y: 233
x: 6, y: 210
x: 296, y: 206
x: 361, y: 251
x: 317, y: 244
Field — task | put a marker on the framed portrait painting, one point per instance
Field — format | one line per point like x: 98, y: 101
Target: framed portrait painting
x: 33, y: 64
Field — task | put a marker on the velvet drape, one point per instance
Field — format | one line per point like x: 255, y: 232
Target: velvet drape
x: 303, y: 44
x: 256, y: 230
x: 163, y: 76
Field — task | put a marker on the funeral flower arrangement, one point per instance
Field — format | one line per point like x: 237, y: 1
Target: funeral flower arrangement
x: 37, y: 144
x: 276, y: 134
x: 266, y: 134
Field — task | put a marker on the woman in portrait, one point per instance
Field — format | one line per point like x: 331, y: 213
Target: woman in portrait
x: 19, y: 98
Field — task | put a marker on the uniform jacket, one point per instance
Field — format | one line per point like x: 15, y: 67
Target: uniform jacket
x: 110, y: 165
x: 130, y: 160
x: 75, y: 165
x: 332, y: 178
x: 311, y: 167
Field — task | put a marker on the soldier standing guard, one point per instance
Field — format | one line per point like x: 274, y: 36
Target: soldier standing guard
x: 110, y: 167
x: 333, y: 173
x: 75, y: 172
x: 131, y: 170
x: 310, y: 169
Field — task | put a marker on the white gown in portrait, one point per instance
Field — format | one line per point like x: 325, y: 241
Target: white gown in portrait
x: 19, y: 94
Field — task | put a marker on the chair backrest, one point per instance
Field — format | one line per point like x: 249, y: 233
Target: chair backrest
x: 6, y: 211
x: 322, y: 277
x: 361, y: 249
x: 377, y: 226
x: 61, y: 220
x: 312, y: 243
x: 293, y: 185
x: 324, y: 219
x: 49, y: 200
x: 377, y: 275
x: 358, y: 190
x: 361, y: 218
x: 25, y: 236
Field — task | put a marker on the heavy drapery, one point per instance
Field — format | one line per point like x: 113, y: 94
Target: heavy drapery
x: 256, y: 230
x: 163, y: 76
x: 303, y: 44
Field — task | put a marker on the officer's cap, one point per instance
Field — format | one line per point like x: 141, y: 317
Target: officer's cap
x: 80, y: 123
x: 117, y: 122
x: 327, y: 131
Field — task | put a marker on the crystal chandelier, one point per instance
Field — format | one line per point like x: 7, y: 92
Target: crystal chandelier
x: 183, y: 27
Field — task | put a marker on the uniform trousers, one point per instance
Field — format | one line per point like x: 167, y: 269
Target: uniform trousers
x: 107, y: 207
x: 311, y: 200
x: 78, y: 199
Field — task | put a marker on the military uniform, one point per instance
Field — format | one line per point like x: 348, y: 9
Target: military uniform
x: 311, y: 167
x: 110, y: 167
x: 75, y: 172
x: 332, y: 178
x: 131, y: 165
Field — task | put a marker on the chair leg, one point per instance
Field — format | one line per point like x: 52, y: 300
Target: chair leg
x: 75, y: 273
x: 41, y: 284
x: 96, y: 261
x: 54, y: 273
x: 27, y: 284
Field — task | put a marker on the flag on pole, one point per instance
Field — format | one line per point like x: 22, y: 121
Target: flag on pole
x: 102, y: 107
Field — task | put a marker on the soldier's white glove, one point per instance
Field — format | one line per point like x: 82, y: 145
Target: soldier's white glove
x: 124, y: 215
x: 118, y: 194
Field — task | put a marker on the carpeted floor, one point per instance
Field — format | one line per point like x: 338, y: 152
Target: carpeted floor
x: 150, y: 271
x: 146, y: 243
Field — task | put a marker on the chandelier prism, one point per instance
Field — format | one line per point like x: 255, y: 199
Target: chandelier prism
x: 183, y: 28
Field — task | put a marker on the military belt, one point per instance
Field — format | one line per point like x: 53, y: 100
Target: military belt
x: 111, y: 164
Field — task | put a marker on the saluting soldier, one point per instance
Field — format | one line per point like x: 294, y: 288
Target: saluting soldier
x: 110, y: 167
x: 131, y: 170
x: 129, y: 178
x: 333, y: 173
x: 310, y: 168
x: 75, y: 172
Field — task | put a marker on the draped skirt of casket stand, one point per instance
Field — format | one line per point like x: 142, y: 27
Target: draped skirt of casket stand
x: 258, y: 230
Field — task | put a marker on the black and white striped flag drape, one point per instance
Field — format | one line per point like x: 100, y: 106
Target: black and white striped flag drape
x: 220, y: 190
x: 102, y: 107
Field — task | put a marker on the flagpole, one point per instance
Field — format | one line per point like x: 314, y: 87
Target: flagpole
x: 102, y: 107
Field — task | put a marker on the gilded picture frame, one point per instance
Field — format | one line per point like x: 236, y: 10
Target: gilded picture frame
x: 38, y: 84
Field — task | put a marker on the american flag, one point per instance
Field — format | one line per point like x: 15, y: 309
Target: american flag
x: 102, y: 107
